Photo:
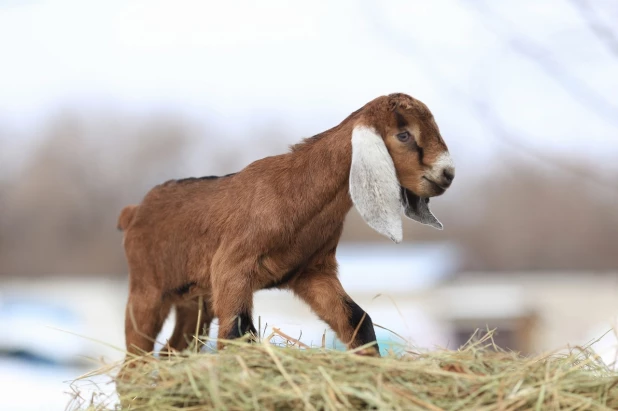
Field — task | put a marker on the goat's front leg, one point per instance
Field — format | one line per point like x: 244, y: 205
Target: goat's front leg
x: 233, y: 305
x: 325, y: 295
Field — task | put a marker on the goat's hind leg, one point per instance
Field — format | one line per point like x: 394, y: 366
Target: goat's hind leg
x: 144, y: 317
x: 187, y: 317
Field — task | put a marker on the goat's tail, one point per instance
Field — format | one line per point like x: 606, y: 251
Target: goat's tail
x: 126, y: 216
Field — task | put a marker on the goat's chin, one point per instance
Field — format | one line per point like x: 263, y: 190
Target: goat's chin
x: 426, y: 189
x: 436, y: 191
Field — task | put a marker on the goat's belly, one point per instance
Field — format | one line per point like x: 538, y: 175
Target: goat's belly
x: 193, y: 291
x: 279, y: 267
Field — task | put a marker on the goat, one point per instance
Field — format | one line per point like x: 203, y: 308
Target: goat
x: 276, y: 224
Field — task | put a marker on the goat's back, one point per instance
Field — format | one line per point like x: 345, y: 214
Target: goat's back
x: 274, y: 215
x: 172, y: 230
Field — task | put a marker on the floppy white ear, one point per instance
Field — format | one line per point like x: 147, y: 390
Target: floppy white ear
x: 374, y: 187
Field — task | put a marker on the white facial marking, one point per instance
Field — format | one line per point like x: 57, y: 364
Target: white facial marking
x: 444, y: 162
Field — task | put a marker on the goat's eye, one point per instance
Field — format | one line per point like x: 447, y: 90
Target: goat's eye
x: 403, y: 137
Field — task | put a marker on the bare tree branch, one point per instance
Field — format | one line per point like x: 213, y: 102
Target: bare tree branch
x: 483, y: 110
x: 581, y: 92
x: 603, y: 32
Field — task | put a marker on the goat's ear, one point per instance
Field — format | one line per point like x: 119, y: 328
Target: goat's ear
x: 417, y: 209
x: 374, y: 187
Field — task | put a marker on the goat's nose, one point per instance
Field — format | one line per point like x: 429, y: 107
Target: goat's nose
x: 448, y: 174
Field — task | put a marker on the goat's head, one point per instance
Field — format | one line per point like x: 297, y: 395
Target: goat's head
x: 399, y: 159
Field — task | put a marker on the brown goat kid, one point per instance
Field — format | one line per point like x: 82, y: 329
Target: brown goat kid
x: 276, y: 224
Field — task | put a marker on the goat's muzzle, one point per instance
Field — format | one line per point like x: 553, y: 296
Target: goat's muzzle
x: 441, y: 175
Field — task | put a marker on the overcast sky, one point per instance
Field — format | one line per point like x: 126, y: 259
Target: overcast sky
x: 308, y: 64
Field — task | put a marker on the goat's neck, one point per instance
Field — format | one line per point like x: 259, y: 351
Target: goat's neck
x: 324, y: 172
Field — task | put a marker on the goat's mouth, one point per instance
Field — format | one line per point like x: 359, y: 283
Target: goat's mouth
x: 435, y: 187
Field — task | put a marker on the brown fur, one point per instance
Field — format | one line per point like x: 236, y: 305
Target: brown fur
x: 126, y: 216
x: 274, y: 224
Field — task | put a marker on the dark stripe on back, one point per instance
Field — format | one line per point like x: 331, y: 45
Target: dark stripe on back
x: 196, y: 179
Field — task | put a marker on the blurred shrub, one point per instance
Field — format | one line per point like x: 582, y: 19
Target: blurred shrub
x: 59, y: 210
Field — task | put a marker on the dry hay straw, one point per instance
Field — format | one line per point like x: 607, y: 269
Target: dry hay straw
x: 267, y: 376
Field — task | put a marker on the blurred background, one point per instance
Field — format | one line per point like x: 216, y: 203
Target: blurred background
x: 100, y: 101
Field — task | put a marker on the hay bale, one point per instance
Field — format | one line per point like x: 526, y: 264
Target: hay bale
x: 264, y: 376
